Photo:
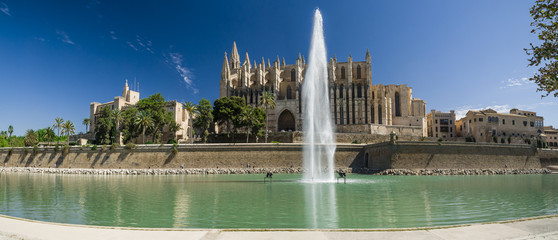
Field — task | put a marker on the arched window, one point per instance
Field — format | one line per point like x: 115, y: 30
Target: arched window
x: 341, y: 120
x: 358, y: 71
x: 341, y: 91
x: 289, y: 92
x: 342, y: 72
x: 359, y: 90
x: 372, y: 113
x: 372, y: 95
x: 293, y: 75
x: 397, y: 105
x: 379, y: 114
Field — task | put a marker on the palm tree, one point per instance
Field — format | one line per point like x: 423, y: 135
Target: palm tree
x: 31, y: 138
x: 86, y: 122
x: 191, y: 109
x: 248, y: 116
x: 68, y: 128
x: 49, y: 134
x: 58, y: 125
x: 268, y: 101
x: 118, y: 117
x: 10, y: 130
x: 143, y: 119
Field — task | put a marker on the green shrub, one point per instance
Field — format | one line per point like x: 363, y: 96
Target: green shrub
x: 25, y: 149
x: 130, y: 146
x: 94, y: 147
x: 275, y: 142
x: 114, y: 146
x: 149, y: 142
x: 495, y: 139
x: 422, y: 139
x: 35, y: 149
x: 10, y: 151
x: 439, y: 139
x: 356, y: 141
x: 509, y: 140
x: 103, y: 147
x: 56, y: 148
x: 174, y: 150
x: 502, y: 140
x: 172, y: 141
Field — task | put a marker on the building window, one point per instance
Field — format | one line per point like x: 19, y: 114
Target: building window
x: 481, y: 119
x: 372, y: 95
x: 436, y: 121
x: 341, y: 91
x: 513, y: 122
x: 379, y: 114
x: 532, y: 124
x: 397, y: 105
x: 451, y: 121
x: 444, y: 129
x: 358, y: 71
x: 503, y: 121
x: 444, y: 121
x: 372, y: 112
x: 342, y: 72
x: 436, y: 129
x: 525, y: 123
x: 293, y: 75
x: 289, y: 92
x: 341, y: 120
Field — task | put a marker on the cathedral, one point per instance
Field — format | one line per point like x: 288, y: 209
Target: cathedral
x: 357, y: 106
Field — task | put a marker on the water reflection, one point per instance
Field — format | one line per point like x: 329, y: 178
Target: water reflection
x: 321, y: 205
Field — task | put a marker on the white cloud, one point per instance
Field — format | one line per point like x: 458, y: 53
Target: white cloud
x: 64, y: 37
x: 4, y: 8
x: 113, y: 36
x: 515, y: 82
x: 177, y: 60
x: 132, y: 46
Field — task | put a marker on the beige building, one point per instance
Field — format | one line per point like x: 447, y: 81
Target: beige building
x: 356, y: 105
x: 486, y: 125
x: 551, y: 136
x: 129, y: 98
x: 441, y: 125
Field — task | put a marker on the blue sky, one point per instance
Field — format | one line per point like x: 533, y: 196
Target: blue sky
x: 56, y: 57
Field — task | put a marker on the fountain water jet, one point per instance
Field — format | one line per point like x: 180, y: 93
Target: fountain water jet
x: 319, y: 148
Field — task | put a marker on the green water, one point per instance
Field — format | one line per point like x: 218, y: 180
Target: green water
x: 244, y: 201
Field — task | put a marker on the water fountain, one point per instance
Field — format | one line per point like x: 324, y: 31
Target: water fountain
x: 319, y: 148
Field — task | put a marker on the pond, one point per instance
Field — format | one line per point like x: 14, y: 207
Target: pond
x: 245, y: 201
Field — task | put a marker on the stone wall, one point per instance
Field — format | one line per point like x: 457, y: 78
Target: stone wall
x: 189, y: 156
x: 449, y: 155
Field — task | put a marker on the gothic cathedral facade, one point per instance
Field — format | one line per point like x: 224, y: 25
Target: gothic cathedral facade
x: 356, y: 105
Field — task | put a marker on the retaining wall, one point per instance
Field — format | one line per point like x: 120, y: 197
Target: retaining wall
x: 190, y: 156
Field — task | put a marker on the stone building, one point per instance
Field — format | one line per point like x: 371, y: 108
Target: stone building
x: 130, y: 98
x: 489, y: 125
x: 441, y: 125
x: 551, y: 136
x: 356, y: 105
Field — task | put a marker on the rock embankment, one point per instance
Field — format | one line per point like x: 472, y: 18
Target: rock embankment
x: 201, y: 171
x: 158, y: 171
x: 463, y: 171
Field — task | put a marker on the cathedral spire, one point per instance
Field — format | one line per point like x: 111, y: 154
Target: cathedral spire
x: 235, y: 58
x: 225, y: 70
x: 284, y: 62
x: 247, y: 60
x: 303, y: 61
x: 268, y: 63
x: 368, y: 58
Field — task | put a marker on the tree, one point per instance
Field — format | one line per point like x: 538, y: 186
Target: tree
x: 173, y: 128
x: 545, y: 24
x: 10, y: 130
x: 204, y: 118
x: 143, y: 119
x: 68, y: 128
x: 31, y: 138
x: 58, y: 125
x: 227, y: 111
x: 49, y: 135
x: 191, y: 109
x: 118, y: 117
x: 155, y: 106
x: 86, y: 122
x: 104, y: 126
x: 268, y: 102
x: 252, y: 119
